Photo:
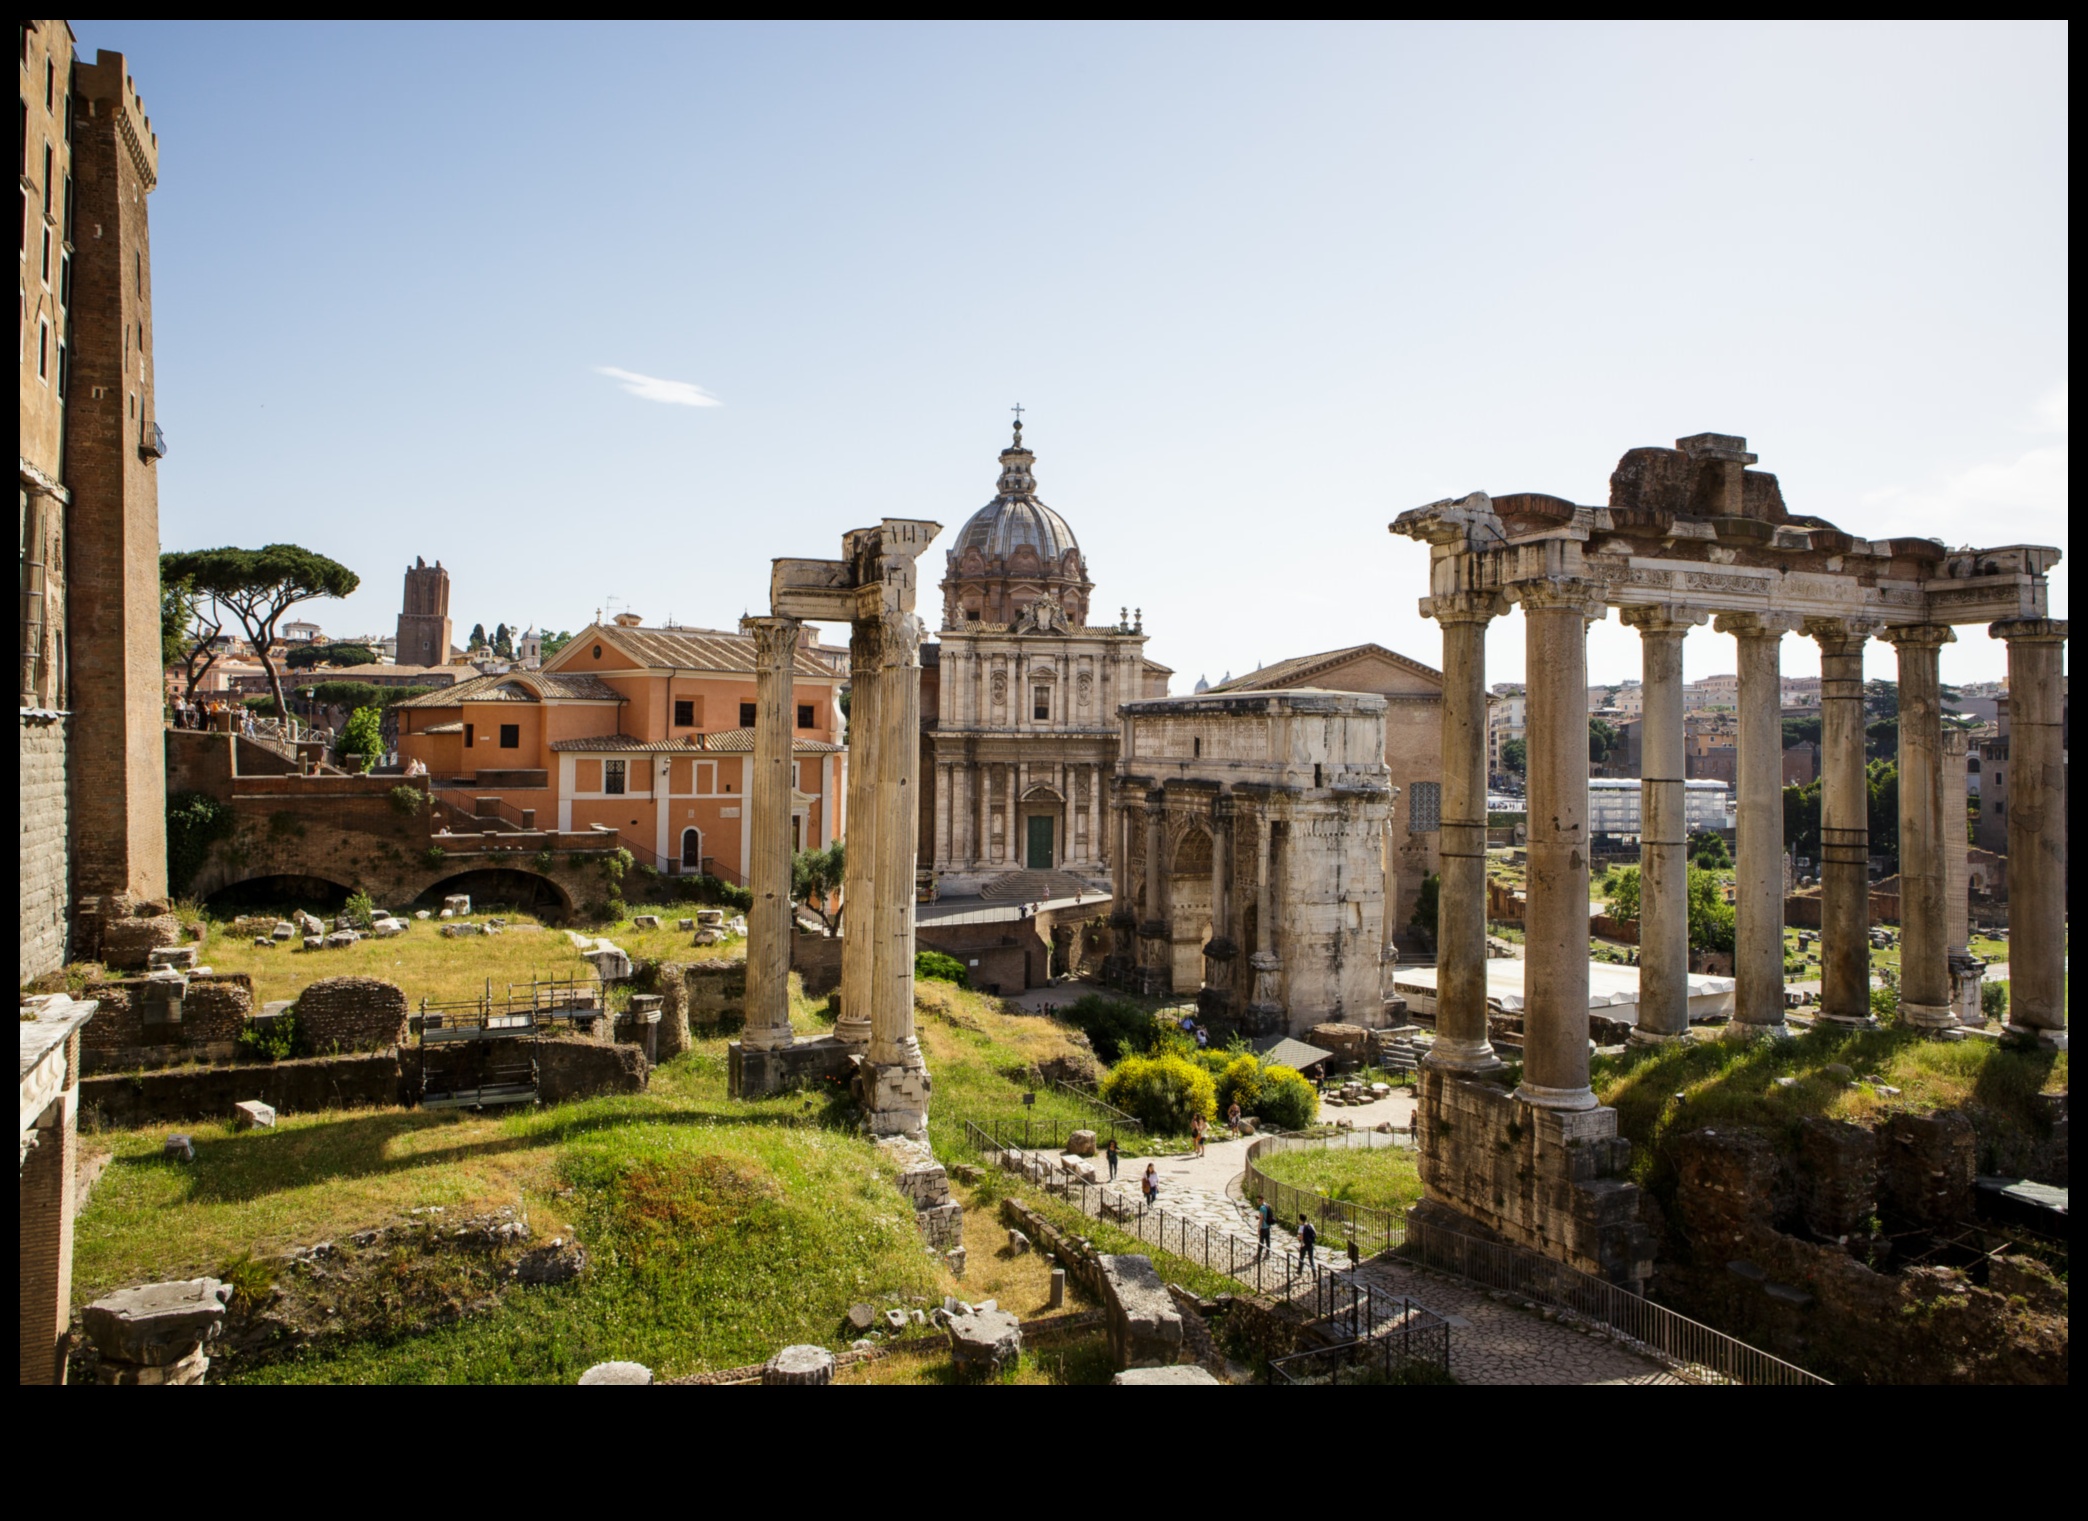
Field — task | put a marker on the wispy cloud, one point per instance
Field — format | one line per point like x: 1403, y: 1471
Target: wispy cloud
x: 2017, y: 497
x: 679, y: 393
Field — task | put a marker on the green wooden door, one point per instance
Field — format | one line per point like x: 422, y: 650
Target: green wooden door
x: 1040, y: 843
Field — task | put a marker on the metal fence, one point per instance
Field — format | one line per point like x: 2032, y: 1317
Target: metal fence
x: 1696, y: 1350
x: 1373, y: 1230
x: 1414, y: 1347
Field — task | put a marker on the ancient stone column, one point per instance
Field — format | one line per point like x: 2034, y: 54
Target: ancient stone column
x: 1965, y: 968
x: 898, y: 1087
x: 2036, y: 827
x: 1265, y: 1006
x: 1924, y: 952
x: 859, y: 856
x: 1844, y: 826
x: 1555, y: 974
x: 1221, y: 950
x: 768, y: 872
x: 1663, y: 1006
x: 1758, y: 959
x: 1461, y: 1043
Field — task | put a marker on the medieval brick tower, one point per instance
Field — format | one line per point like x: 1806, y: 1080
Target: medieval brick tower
x: 424, y: 623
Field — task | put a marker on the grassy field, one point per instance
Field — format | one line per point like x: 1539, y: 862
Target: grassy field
x: 1715, y: 1082
x: 429, y: 966
x: 1384, y: 1177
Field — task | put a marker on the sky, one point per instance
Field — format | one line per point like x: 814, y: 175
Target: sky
x: 608, y: 315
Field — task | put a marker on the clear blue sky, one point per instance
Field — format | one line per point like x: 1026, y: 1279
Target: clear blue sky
x: 1260, y: 288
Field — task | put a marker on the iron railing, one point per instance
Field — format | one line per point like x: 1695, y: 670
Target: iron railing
x: 1414, y: 1347
x: 1085, y: 1093
x: 1373, y: 1229
x: 1697, y: 1351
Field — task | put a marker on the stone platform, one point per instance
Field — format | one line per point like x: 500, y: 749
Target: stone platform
x: 801, y: 1064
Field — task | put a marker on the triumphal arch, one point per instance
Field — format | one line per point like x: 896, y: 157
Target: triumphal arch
x: 1690, y: 535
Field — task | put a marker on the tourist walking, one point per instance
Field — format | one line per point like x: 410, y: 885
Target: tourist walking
x: 1150, y: 1183
x: 1110, y: 1151
x: 1307, y: 1238
x: 1266, y: 1215
x: 1196, y: 1134
x: 1232, y: 1115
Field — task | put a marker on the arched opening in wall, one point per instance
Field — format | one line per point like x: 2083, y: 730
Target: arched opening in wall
x: 692, y: 850
x: 502, y: 889
x: 1189, y: 905
x: 280, y: 893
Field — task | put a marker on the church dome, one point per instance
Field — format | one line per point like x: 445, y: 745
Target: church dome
x: 1014, y: 552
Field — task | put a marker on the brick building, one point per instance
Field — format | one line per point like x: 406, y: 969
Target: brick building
x: 93, y: 764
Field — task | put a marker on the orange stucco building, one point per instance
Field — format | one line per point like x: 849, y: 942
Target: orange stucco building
x: 644, y: 731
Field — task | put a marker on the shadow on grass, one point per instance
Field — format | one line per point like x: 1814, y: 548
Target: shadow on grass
x: 237, y: 1169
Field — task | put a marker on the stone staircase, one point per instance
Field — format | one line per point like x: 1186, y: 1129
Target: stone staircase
x: 1397, y: 1048
x: 1034, y: 886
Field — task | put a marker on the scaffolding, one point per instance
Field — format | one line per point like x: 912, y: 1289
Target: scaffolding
x: 474, y: 1052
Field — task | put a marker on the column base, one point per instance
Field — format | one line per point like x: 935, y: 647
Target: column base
x: 852, y: 1032
x: 1462, y: 1057
x: 1641, y: 1037
x: 1938, y: 1019
x: 768, y: 1037
x: 894, y: 1099
x: 1741, y: 1030
x: 1846, y: 1021
x: 1537, y: 1096
x: 2050, y: 1040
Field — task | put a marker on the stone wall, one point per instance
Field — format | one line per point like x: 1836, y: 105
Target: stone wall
x: 817, y: 961
x: 1547, y: 1179
x: 208, y: 1093
x: 717, y: 992
x: 577, y: 1069
x: 338, y: 1014
x: 1777, y: 1248
x: 214, y: 1010
x: 122, y: 933
x: 46, y: 857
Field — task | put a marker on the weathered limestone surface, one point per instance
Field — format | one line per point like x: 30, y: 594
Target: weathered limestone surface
x: 983, y: 1343
x: 1264, y: 835
x: 1182, y: 1374
x: 156, y: 1334
x: 2037, y: 827
x: 46, y: 856
x: 768, y: 876
x: 1844, y: 825
x: 1663, y: 1006
x: 1145, y: 1328
x: 1925, y: 991
x: 800, y: 1366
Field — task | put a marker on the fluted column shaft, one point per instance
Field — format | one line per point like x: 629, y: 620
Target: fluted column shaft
x: 1663, y: 1004
x: 1844, y: 828
x: 1758, y: 957
x: 1555, y: 974
x: 859, y: 855
x: 768, y: 873
x: 1924, y: 929
x: 1461, y: 1043
x: 892, y: 1040
x: 2036, y: 827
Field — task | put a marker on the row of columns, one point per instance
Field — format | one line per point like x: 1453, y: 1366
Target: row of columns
x: 1555, y: 1063
x: 970, y: 793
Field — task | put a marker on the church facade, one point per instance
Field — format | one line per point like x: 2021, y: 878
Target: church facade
x: 1021, y: 737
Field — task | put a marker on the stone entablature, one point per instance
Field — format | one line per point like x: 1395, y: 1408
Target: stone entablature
x: 1689, y: 535
x: 1251, y: 863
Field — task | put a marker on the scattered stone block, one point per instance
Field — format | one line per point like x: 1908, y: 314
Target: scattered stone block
x: 1145, y: 1328
x: 422, y: 914
x: 458, y: 903
x: 1058, y: 1289
x: 1017, y: 1242
x: 179, y: 958
x: 737, y: 925
x: 284, y: 931
x: 861, y: 1316
x: 263, y: 943
x: 461, y: 929
x: 895, y: 1319
x: 710, y: 918
x: 954, y: 1257
x: 1081, y: 1143
x: 685, y: 924
x: 652, y: 921
x: 179, y: 1148
x: 983, y: 1344
x: 560, y: 1262
x: 159, y: 1326
x: 252, y: 1113
x: 610, y: 962
x: 315, y: 942
x: 1180, y: 1373
x: 798, y: 1365
x: 617, y: 1373
x: 449, y: 913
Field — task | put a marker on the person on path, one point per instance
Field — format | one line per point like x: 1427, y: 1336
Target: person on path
x: 1267, y: 1217
x: 1232, y: 1115
x: 1203, y: 1037
x: 1196, y: 1134
x: 1150, y: 1183
x: 1307, y: 1238
x: 1110, y: 1151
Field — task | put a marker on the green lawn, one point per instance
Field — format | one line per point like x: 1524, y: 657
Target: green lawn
x: 719, y: 1230
x: 1384, y: 1177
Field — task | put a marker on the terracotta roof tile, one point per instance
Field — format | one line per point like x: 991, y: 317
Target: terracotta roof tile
x: 693, y: 649
x: 519, y: 686
x: 726, y: 742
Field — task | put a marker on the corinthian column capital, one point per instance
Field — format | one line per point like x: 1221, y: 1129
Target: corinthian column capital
x: 1663, y: 618
x: 1918, y: 636
x: 1563, y: 593
x: 775, y: 640
x: 899, y: 640
x: 2030, y: 630
x: 1465, y: 607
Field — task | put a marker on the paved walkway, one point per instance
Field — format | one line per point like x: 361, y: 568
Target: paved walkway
x: 1493, y: 1340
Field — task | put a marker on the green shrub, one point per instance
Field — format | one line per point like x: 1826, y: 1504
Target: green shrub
x: 1240, y: 1083
x: 268, y: 1041
x: 542, y: 861
x: 1112, y: 1025
x: 940, y: 968
x: 435, y: 855
x: 407, y: 801
x: 1166, y: 1093
x: 1884, y: 1002
x: 1286, y: 1098
x: 260, y: 707
x: 195, y: 822
x: 359, y: 911
x: 714, y: 891
x: 618, y: 909
x: 1993, y: 999
x: 362, y: 738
